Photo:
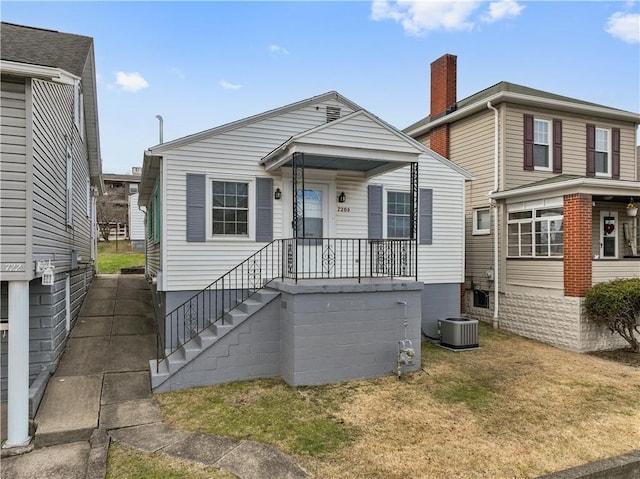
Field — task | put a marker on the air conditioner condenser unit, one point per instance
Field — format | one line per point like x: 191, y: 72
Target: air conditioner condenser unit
x: 458, y: 333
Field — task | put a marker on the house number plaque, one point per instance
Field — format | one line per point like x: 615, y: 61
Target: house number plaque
x: 343, y: 209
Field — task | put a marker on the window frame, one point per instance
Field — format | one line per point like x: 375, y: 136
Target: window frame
x: 549, y: 144
x: 386, y: 213
x: 532, y: 221
x: 251, y: 208
x: 477, y: 231
x: 609, y: 152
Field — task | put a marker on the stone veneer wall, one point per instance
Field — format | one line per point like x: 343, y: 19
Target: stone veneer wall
x: 555, y: 320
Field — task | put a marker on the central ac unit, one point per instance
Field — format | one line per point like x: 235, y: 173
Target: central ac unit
x: 458, y: 333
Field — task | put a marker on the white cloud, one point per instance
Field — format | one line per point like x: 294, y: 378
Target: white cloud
x: 625, y: 26
x: 131, y: 81
x: 278, y: 49
x: 229, y: 86
x: 418, y: 16
x: 502, y: 9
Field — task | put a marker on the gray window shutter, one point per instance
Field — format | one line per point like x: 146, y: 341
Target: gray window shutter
x: 196, y: 201
x: 375, y: 211
x: 264, y: 209
x: 426, y: 216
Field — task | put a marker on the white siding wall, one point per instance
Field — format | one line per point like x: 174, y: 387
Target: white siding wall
x: 234, y: 155
x: 136, y: 219
x: 13, y: 180
x: 53, y: 131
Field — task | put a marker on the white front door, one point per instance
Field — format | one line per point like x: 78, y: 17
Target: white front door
x: 608, y: 234
x: 316, y: 226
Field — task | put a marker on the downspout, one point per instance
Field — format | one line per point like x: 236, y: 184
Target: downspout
x: 494, y: 206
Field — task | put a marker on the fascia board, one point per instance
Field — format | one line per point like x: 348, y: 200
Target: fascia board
x: 523, y: 99
x: 593, y: 186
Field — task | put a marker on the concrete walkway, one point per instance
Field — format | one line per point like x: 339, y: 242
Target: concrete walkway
x: 101, y: 391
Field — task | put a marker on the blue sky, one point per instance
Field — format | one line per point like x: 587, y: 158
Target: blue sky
x: 203, y: 64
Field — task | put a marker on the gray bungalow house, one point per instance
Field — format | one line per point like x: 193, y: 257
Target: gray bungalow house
x: 50, y: 173
x: 305, y: 242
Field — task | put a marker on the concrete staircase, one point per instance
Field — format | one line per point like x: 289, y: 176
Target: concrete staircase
x: 208, y: 338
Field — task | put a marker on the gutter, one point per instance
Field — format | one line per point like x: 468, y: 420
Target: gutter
x: 494, y: 205
x: 520, y: 98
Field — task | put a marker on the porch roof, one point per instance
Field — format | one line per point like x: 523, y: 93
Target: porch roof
x: 356, y: 142
x: 571, y: 184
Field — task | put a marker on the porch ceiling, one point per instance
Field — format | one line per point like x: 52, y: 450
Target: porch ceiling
x: 326, y: 157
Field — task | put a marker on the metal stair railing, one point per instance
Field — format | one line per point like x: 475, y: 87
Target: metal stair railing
x: 212, y: 303
x: 293, y: 258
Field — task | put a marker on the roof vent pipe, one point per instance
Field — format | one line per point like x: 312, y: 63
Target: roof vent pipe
x: 159, y: 117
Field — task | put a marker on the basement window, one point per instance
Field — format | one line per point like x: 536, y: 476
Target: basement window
x: 480, y: 299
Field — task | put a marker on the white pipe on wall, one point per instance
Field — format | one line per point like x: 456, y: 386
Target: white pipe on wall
x: 494, y: 206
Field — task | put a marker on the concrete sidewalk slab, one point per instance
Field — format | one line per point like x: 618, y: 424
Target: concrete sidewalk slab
x: 134, y: 307
x: 204, y: 448
x: 130, y: 413
x: 69, y: 410
x: 91, y: 326
x: 132, y: 282
x: 103, y: 293
x: 119, y: 387
x: 130, y: 353
x: 105, y: 281
x: 132, y: 293
x: 68, y: 461
x: 149, y: 437
x: 98, y: 307
x: 128, y: 325
x: 253, y: 460
x: 84, y: 356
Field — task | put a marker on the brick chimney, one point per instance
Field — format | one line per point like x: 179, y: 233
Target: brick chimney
x: 443, y: 97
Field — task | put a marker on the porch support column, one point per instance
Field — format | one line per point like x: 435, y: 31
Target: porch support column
x: 414, y: 212
x: 577, y: 227
x: 18, y: 365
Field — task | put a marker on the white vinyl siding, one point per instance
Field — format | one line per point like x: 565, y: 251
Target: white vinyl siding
x: 53, y: 119
x: 13, y: 180
x: 136, y: 219
x: 236, y: 153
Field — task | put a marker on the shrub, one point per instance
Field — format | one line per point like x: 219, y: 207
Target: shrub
x: 617, y: 305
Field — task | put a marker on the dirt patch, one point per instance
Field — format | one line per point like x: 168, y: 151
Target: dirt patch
x: 622, y: 356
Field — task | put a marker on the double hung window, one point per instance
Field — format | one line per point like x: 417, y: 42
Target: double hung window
x: 541, y: 144
x: 230, y: 208
x: 398, y: 214
x: 603, y: 158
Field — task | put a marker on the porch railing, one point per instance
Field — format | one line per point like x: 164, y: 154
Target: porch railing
x: 288, y: 259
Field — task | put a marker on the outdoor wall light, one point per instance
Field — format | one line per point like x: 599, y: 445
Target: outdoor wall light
x: 342, y: 198
x: 278, y: 194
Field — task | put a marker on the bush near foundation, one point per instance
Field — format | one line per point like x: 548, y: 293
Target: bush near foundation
x: 617, y: 305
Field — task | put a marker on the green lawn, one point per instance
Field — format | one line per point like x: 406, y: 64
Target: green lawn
x: 113, y: 256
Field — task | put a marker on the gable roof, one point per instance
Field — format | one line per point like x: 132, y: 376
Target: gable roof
x: 505, y: 91
x: 60, y: 57
x: 185, y: 140
x: 37, y: 46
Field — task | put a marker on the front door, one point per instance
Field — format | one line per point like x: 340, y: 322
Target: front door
x: 608, y: 234
x: 309, y: 251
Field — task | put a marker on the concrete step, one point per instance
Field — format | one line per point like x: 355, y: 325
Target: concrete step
x: 266, y: 295
x: 69, y: 411
x: 235, y: 317
x: 250, y: 306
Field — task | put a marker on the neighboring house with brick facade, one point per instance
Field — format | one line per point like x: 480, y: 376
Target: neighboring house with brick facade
x: 50, y: 173
x: 546, y: 213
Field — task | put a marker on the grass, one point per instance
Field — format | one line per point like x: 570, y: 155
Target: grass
x: 513, y: 409
x: 111, y: 261
x: 127, y: 463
